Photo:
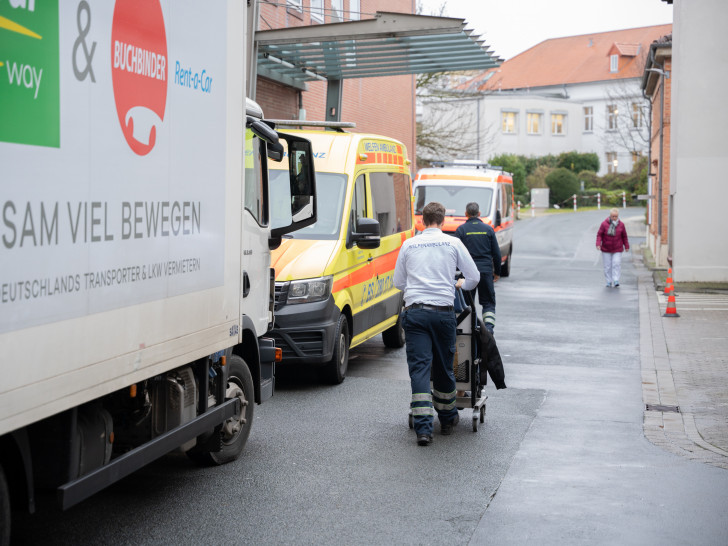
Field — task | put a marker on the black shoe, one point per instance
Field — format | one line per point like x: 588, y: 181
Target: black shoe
x: 424, y: 439
x: 447, y: 428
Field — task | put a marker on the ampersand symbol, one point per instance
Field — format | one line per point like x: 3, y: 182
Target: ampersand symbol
x: 81, y: 41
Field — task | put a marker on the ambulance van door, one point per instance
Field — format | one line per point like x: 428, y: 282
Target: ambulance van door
x: 504, y: 231
x: 392, y: 207
x: 353, y: 270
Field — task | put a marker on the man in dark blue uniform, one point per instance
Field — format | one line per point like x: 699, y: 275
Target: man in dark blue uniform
x: 479, y: 238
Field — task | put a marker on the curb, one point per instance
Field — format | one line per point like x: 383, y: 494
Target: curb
x: 665, y: 425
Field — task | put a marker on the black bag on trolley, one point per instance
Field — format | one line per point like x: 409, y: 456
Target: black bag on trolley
x: 490, y: 359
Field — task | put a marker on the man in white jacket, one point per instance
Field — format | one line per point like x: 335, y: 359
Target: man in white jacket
x: 425, y: 272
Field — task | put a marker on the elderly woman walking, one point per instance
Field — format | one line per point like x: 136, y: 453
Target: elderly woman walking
x: 612, y: 241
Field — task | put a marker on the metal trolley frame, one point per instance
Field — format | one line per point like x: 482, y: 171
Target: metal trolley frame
x: 466, y: 365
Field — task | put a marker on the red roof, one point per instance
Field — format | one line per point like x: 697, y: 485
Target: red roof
x: 574, y: 59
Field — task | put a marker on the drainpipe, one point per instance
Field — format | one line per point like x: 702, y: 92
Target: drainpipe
x: 649, y: 159
x: 662, y: 139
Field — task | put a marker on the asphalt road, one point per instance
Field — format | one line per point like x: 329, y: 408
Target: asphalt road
x: 560, y: 459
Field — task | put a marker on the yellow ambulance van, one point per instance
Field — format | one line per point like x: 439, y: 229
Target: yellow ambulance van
x: 457, y: 183
x: 334, y: 279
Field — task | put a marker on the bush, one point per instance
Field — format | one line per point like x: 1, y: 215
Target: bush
x: 562, y: 184
x: 590, y: 179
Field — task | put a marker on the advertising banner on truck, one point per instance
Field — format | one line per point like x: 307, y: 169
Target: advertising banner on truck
x: 112, y: 154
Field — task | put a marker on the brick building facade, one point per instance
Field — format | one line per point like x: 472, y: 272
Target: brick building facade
x: 658, y: 90
x: 383, y: 105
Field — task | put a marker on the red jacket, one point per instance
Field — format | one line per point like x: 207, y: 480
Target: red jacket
x: 612, y: 243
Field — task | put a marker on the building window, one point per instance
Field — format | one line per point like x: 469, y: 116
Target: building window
x: 612, y: 112
x: 637, y: 118
x: 612, y: 162
x: 354, y: 10
x: 317, y: 10
x: 588, y: 119
x: 509, y: 122
x: 614, y: 63
x: 534, y: 123
x: 636, y: 157
x: 558, y: 124
x: 337, y: 11
x: 295, y: 4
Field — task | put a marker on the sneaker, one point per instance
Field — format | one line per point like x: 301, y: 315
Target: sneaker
x: 424, y: 439
x: 609, y: 285
x: 616, y: 285
x: 447, y: 428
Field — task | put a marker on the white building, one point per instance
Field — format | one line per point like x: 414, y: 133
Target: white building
x: 578, y: 93
x: 698, y: 154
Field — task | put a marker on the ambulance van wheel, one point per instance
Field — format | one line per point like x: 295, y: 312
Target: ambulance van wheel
x: 394, y: 337
x: 235, y: 431
x: 335, y: 370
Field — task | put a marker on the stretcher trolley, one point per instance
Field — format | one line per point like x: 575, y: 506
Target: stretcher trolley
x: 467, y: 362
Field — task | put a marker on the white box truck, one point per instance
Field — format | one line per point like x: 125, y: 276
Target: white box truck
x: 135, y: 278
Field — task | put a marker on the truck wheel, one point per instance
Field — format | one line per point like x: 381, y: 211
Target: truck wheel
x: 506, y: 267
x: 235, y: 431
x: 335, y: 369
x: 394, y: 337
x: 4, y: 510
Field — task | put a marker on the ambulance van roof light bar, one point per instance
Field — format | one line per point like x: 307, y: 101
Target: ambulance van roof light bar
x: 336, y: 125
x: 471, y: 163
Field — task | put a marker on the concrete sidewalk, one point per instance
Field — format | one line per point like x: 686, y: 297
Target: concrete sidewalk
x: 684, y: 369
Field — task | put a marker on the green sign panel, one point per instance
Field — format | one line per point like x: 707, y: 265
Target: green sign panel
x: 29, y: 73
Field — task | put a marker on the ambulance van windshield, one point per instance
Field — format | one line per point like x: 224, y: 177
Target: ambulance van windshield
x: 330, y: 194
x: 454, y: 198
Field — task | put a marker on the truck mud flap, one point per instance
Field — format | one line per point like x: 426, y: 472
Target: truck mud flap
x: 81, y: 488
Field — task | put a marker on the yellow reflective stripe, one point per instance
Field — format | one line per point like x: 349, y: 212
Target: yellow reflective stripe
x: 422, y: 397
x: 423, y: 411
x: 443, y: 395
x: 441, y: 406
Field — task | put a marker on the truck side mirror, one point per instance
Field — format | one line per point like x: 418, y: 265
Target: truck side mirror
x: 497, y: 218
x: 367, y: 234
x: 302, y: 185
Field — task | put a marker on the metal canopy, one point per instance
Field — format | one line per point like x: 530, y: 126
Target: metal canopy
x: 388, y: 45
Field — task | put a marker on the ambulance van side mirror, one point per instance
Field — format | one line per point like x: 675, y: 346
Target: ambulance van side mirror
x: 367, y: 234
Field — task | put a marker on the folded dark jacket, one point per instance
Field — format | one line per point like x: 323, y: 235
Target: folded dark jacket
x: 490, y: 359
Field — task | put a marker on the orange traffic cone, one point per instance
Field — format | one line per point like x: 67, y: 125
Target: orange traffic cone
x: 671, y: 310
x: 668, y: 283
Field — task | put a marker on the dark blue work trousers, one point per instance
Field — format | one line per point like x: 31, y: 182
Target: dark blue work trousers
x: 430, y: 337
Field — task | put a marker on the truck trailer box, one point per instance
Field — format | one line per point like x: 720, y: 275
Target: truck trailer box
x: 135, y: 280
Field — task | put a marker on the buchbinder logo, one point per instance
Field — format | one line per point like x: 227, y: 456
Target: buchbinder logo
x: 29, y: 73
x: 139, y: 71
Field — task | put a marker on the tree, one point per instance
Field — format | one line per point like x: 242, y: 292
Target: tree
x: 627, y: 115
x: 577, y: 162
x: 445, y: 124
x: 537, y: 179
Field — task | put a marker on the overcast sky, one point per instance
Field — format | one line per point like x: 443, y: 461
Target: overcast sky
x: 510, y: 27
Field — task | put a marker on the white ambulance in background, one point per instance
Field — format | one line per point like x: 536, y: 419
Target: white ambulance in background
x: 457, y: 183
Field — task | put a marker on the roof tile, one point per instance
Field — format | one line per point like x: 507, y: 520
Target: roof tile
x: 573, y: 59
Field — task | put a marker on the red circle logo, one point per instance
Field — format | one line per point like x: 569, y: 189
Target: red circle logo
x: 139, y: 71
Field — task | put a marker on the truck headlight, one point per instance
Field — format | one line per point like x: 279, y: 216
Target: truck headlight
x: 309, y: 290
